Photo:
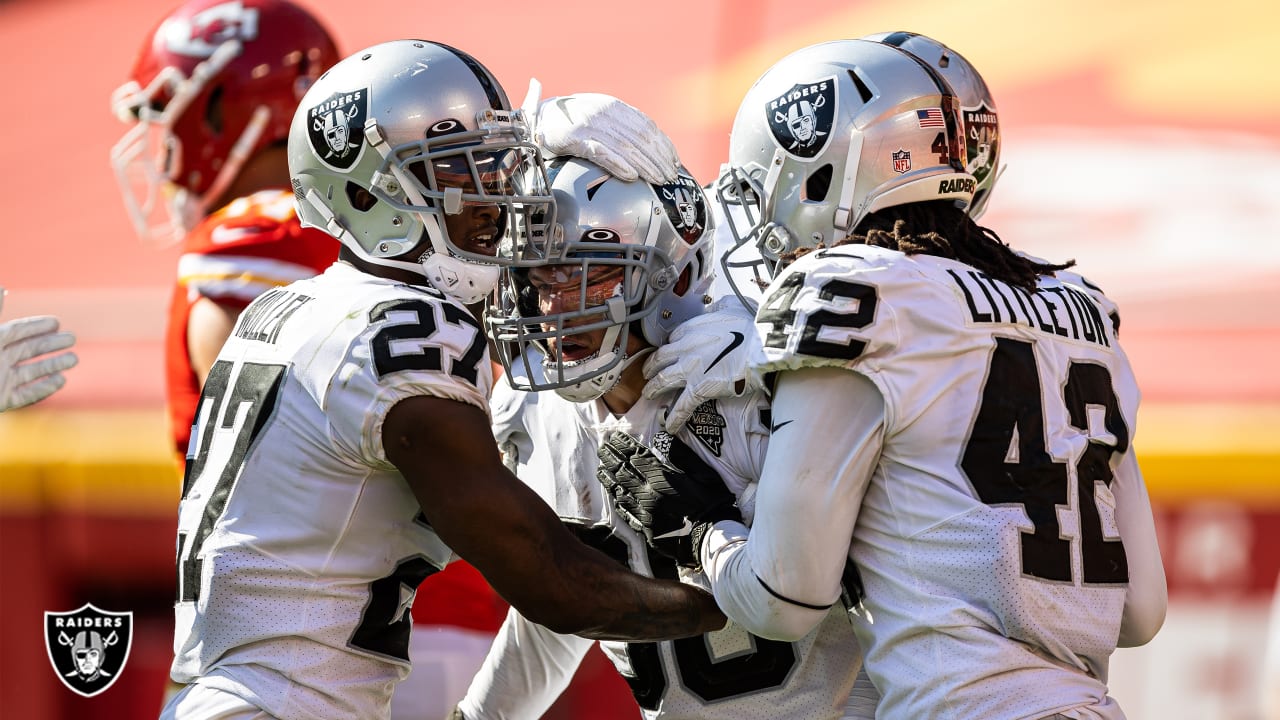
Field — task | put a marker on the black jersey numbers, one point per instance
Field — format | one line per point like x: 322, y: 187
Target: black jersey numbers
x: 766, y: 666
x: 386, y: 622
x: 1089, y: 387
x: 406, y: 344
x: 234, y: 407
x: 1007, y: 462
x: 820, y: 334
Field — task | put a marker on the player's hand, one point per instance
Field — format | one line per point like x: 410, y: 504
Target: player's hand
x: 608, y: 132
x: 25, y: 377
x: 671, y: 498
x: 706, y: 357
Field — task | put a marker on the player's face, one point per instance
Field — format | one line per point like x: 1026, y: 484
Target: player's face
x: 560, y: 290
x: 477, y: 228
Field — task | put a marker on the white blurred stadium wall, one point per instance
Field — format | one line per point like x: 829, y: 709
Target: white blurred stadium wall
x: 1141, y: 139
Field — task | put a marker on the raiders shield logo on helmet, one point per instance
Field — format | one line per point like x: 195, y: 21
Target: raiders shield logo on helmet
x: 88, y: 647
x: 685, y: 206
x: 982, y: 139
x: 336, y: 128
x: 801, y: 118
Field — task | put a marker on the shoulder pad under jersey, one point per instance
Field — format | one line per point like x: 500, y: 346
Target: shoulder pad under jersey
x: 827, y: 308
x: 1107, y: 304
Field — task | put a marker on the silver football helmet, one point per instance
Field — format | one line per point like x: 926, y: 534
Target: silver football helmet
x: 625, y: 257
x: 828, y: 135
x: 981, y: 122
x: 398, y: 136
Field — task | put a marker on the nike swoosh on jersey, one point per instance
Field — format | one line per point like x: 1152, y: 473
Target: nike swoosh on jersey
x: 735, y: 342
x: 775, y: 427
x: 678, y: 532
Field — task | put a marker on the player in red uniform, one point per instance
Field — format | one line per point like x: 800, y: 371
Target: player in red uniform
x: 209, y: 101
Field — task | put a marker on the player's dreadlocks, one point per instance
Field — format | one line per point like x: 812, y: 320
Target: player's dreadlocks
x: 940, y: 228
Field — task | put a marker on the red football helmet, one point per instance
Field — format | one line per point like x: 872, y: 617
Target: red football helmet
x: 215, y: 82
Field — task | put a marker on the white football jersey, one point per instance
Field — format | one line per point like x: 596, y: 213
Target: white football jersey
x: 725, y: 675
x: 995, y: 573
x: 300, y: 546
x: 1107, y: 305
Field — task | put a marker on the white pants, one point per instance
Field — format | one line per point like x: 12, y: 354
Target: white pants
x: 198, y: 702
x: 444, y: 661
x: 1108, y: 709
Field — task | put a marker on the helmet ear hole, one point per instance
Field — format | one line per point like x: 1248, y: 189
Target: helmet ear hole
x: 682, y: 285
x: 360, y: 198
x: 864, y: 92
x: 213, y: 111
x: 818, y: 183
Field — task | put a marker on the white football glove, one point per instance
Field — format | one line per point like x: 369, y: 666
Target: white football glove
x: 23, y: 383
x: 608, y: 132
x: 706, y: 357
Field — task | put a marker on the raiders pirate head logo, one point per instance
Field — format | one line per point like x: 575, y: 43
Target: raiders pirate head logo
x: 685, y: 206
x: 336, y: 128
x: 982, y: 139
x: 801, y: 118
x: 88, y: 647
x: 206, y: 31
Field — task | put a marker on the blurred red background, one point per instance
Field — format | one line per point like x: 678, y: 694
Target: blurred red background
x: 1142, y: 139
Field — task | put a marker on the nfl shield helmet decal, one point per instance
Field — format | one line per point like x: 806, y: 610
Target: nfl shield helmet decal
x: 982, y: 140
x: 336, y: 128
x: 801, y: 118
x: 88, y: 647
x: 901, y: 160
x: 685, y: 206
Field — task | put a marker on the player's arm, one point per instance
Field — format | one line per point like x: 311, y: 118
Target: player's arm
x: 527, y: 668
x: 1148, y: 597
x: 779, y: 580
x: 446, y: 452
x: 209, y: 324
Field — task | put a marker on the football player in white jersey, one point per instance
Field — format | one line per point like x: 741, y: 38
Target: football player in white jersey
x: 342, y: 448
x: 947, y: 413
x: 633, y: 261
x: 741, y: 269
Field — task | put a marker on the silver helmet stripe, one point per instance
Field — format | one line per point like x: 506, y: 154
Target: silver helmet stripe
x: 846, y: 220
